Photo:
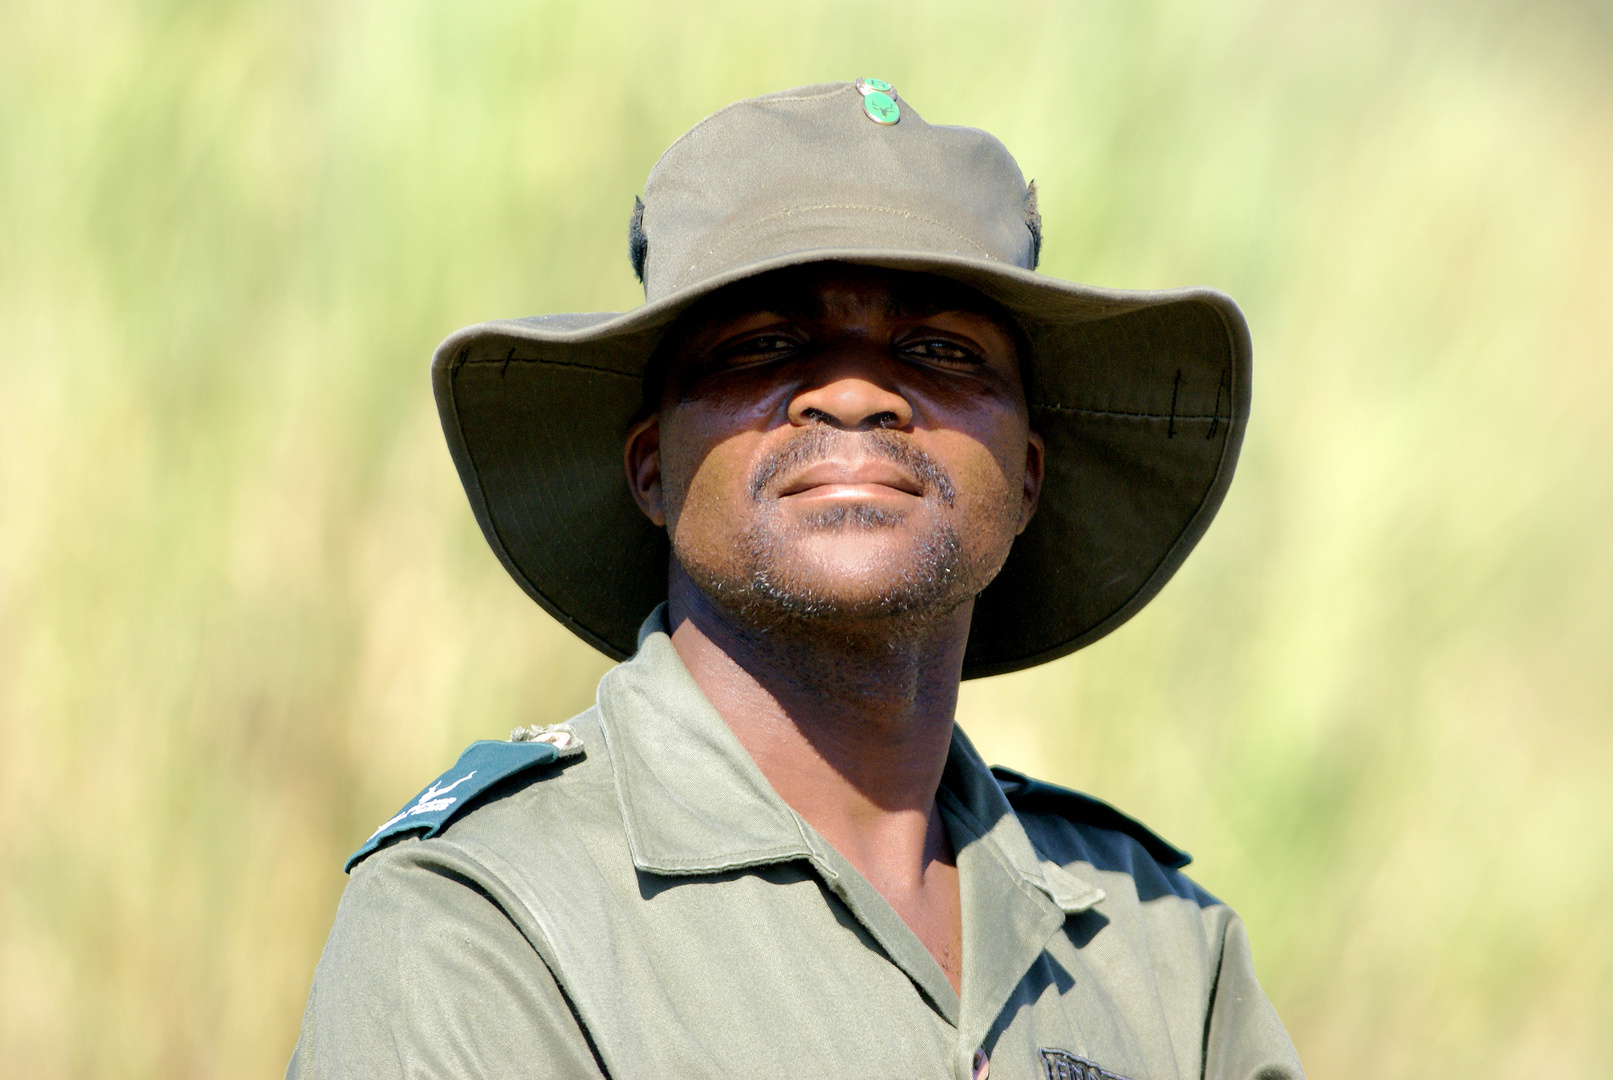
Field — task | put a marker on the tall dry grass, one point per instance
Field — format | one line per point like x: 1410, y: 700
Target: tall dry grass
x: 244, y: 611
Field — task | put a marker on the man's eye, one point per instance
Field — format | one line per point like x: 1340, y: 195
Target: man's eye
x: 937, y: 351
x: 755, y: 349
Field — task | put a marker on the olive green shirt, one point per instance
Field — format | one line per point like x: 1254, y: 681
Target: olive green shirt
x: 652, y: 909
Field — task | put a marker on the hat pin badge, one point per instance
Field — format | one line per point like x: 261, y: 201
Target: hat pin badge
x: 879, y: 101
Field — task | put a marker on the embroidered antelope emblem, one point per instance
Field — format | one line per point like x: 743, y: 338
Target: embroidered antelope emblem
x: 431, y: 800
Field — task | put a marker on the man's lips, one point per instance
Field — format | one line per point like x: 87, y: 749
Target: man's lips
x: 822, y: 462
x: 850, y: 479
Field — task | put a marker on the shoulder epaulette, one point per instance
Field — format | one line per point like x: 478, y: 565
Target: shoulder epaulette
x: 483, y: 764
x: 1037, y: 796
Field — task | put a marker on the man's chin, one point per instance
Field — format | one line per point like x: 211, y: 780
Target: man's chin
x: 846, y: 576
x: 843, y: 601
x: 861, y: 560
x: 798, y: 609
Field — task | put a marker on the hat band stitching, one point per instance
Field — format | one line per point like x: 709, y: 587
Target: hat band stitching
x: 943, y: 226
x: 1113, y: 413
x: 494, y: 361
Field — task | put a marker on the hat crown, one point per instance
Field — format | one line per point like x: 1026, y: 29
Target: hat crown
x: 807, y: 170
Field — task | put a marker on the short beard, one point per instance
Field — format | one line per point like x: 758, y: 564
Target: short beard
x: 758, y: 590
x: 763, y: 596
x: 928, y: 586
x: 756, y: 587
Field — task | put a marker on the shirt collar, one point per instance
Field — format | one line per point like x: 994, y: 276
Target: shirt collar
x: 971, y: 795
x: 693, y: 801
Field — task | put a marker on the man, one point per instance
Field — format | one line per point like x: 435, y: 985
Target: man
x: 868, y: 452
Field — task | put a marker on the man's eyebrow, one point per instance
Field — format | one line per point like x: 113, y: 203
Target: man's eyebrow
x: 785, y: 304
x: 921, y: 304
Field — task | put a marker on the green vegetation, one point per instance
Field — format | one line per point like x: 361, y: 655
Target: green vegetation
x: 245, y: 613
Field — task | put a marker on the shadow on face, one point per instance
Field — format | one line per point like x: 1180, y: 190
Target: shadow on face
x: 839, y: 441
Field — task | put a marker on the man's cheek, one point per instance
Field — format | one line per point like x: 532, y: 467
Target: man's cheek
x: 681, y: 457
x: 993, y: 492
x: 707, y: 496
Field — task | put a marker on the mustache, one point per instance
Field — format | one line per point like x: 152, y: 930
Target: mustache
x: 819, y: 442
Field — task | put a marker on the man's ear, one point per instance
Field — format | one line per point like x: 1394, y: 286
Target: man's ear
x: 641, y: 456
x: 1035, y: 469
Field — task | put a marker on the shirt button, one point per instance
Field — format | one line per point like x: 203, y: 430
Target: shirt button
x: 981, y: 1065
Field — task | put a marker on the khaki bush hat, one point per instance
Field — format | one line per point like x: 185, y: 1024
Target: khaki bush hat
x: 1142, y: 397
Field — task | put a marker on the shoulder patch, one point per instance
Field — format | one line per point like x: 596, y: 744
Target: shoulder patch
x: 1038, y: 796
x: 483, y: 764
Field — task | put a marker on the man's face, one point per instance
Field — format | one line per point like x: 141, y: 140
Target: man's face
x: 843, y: 442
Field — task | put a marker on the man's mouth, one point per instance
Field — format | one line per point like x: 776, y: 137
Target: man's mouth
x: 873, y: 478
x: 825, y: 463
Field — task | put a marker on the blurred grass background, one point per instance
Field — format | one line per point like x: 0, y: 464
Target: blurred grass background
x: 245, y: 613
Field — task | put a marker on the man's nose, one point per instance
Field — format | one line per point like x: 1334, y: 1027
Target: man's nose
x: 851, y: 392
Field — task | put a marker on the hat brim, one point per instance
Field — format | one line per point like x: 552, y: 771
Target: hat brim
x: 1141, y: 397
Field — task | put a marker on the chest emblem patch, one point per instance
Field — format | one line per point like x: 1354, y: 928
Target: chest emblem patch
x: 1063, y: 1065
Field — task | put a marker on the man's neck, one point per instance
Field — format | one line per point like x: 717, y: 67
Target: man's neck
x: 832, y: 713
x: 852, y: 729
